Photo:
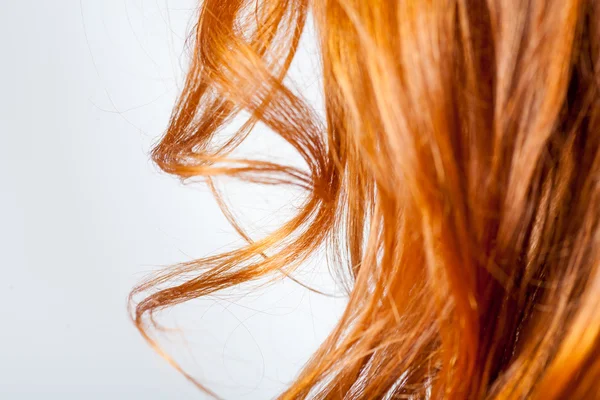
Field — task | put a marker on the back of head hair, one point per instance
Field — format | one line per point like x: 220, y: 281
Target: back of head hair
x: 455, y: 178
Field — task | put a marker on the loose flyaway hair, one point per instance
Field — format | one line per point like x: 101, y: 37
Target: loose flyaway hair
x: 455, y: 178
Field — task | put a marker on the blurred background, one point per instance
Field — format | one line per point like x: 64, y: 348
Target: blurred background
x: 86, y: 89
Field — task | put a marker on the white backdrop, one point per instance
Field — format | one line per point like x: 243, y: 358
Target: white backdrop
x: 86, y: 88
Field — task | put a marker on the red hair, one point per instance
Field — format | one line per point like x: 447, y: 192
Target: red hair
x: 455, y: 179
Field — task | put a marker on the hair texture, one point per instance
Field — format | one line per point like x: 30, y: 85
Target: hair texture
x: 455, y: 178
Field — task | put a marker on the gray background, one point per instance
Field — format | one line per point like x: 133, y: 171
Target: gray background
x: 86, y: 88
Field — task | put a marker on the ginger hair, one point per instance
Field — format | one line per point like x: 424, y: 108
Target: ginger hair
x: 455, y: 178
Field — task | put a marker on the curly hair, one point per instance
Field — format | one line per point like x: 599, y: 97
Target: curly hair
x: 455, y: 177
